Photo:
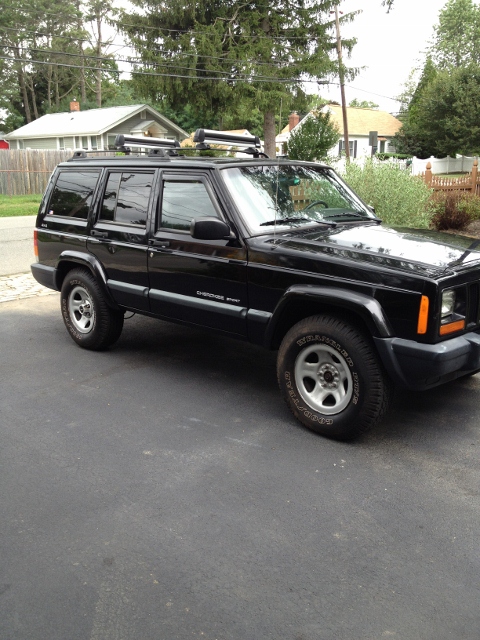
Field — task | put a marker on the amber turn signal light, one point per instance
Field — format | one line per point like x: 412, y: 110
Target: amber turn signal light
x: 423, y: 315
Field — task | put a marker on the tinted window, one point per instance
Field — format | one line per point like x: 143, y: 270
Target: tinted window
x: 126, y: 198
x: 183, y: 201
x: 73, y: 193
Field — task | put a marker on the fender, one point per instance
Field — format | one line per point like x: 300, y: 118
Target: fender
x: 89, y: 261
x: 368, y: 308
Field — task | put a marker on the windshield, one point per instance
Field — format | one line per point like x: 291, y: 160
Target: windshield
x: 291, y: 196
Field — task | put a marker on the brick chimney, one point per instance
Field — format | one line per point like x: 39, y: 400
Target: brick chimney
x: 74, y: 105
x: 293, y: 120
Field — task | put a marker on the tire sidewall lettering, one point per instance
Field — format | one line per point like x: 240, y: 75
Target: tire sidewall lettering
x: 308, y: 413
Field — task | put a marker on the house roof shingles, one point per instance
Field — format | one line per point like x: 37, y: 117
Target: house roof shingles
x: 91, y: 122
x: 362, y: 121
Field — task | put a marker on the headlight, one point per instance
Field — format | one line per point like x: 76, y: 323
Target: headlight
x: 448, y: 303
x: 453, y: 310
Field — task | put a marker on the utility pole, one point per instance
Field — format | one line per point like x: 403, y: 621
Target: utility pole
x: 342, y: 87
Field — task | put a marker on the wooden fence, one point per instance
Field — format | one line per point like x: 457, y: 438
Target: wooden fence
x: 470, y: 183
x: 26, y: 171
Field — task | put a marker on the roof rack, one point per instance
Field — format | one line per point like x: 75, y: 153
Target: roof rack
x: 204, y: 137
x: 160, y: 146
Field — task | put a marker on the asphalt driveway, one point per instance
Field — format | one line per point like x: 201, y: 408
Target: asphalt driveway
x: 161, y: 490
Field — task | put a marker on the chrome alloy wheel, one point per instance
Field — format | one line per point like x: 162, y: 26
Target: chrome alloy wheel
x: 81, y: 309
x: 323, y: 379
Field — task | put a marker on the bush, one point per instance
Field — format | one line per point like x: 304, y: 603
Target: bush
x: 454, y: 210
x: 399, y: 198
x: 397, y: 156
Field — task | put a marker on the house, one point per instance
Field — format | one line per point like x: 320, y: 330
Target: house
x: 360, y: 123
x: 95, y: 129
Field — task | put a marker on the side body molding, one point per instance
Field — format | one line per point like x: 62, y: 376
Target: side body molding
x: 367, y: 307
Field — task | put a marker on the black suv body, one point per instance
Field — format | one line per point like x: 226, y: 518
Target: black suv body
x: 279, y: 253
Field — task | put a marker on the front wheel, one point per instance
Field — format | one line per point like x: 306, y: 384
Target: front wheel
x: 331, y: 378
x: 88, y: 318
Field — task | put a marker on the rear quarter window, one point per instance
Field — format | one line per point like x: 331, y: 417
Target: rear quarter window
x: 72, y: 194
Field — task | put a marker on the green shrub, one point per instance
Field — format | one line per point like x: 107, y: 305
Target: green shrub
x: 386, y: 156
x: 454, y: 210
x: 399, y: 198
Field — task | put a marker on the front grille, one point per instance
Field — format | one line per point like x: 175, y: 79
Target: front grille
x: 473, y: 311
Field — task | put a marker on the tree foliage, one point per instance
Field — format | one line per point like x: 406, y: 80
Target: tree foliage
x: 363, y: 104
x: 442, y: 112
x: 50, y: 54
x: 222, y: 57
x: 457, y: 35
x: 313, y: 137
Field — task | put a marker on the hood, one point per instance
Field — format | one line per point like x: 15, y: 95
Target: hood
x: 405, y: 249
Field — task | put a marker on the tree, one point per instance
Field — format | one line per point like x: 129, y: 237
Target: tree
x: 222, y: 56
x: 363, y: 104
x: 457, y: 35
x: 446, y: 116
x: 313, y: 138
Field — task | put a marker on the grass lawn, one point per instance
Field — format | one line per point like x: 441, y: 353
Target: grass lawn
x: 19, y: 205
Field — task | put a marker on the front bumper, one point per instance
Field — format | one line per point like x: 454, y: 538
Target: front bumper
x: 421, y: 366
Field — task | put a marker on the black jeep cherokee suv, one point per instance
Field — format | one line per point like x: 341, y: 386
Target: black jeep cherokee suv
x: 276, y: 252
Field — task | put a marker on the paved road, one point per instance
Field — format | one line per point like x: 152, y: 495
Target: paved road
x: 16, y: 244
x: 162, y: 491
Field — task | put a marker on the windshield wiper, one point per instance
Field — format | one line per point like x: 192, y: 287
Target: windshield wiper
x: 282, y: 220
x: 353, y: 214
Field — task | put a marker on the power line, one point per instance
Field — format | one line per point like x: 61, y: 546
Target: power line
x: 130, y: 61
x: 156, y: 49
x: 161, y: 75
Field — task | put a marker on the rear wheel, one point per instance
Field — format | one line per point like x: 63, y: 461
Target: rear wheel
x: 88, y: 318
x: 331, y: 378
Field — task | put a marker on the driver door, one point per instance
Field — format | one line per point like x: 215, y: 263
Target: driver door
x: 201, y: 282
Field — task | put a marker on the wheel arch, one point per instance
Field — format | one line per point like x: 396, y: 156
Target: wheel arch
x: 300, y: 302
x: 69, y: 260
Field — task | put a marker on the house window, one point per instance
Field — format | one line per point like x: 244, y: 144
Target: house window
x: 352, y: 145
x: 61, y: 143
x: 20, y: 144
x: 85, y: 142
x: 93, y: 143
x: 143, y: 115
x: 111, y: 141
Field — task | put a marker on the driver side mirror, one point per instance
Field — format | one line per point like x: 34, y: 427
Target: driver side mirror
x: 209, y: 228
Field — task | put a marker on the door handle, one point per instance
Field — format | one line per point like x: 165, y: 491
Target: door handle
x: 99, y: 234
x: 163, y: 244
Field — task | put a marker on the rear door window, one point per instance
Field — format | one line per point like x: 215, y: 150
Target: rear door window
x: 73, y: 193
x: 126, y: 197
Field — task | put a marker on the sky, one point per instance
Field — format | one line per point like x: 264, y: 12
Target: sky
x: 389, y: 46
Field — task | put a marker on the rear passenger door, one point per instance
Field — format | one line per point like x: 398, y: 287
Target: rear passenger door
x: 197, y: 281
x: 119, y: 236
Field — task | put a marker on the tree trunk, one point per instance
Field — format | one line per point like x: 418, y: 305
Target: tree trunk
x: 269, y: 134
x: 23, y: 89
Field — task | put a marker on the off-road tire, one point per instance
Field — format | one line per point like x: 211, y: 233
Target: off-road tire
x: 89, y: 320
x: 331, y: 378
